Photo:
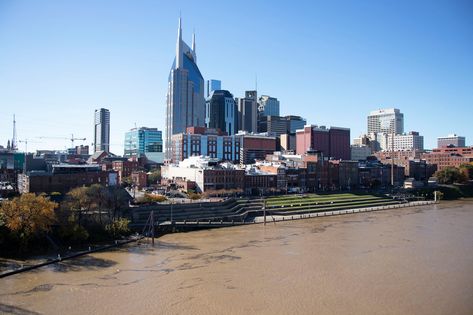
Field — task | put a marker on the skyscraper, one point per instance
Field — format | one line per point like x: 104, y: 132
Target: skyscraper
x: 295, y: 123
x: 280, y: 125
x: 221, y: 112
x: 248, y: 112
x: 268, y: 106
x: 389, y: 120
x: 185, y: 102
x: 102, y: 130
x: 146, y: 142
x: 213, y: 85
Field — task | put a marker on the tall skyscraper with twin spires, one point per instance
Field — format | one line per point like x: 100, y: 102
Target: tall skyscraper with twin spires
x: 185, y: 101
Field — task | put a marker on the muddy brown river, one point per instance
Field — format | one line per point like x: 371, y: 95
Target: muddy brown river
x: 403, y: 261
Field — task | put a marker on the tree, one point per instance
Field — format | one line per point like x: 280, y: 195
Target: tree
x: 451, y: 175
x: 28, y: 215
x: 77, y: 203
x: 467, y: 169
x: 2, y: 218
x: 117, y: 200
x: 154, y: 177
x: 99, y: 195
x: 3, y: 228
x: 82, y: 202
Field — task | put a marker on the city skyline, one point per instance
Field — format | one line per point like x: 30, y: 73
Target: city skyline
x: 55, y: 76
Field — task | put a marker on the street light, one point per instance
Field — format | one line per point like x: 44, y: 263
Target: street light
x: 264, y: 210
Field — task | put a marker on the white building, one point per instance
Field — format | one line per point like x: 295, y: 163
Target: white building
x: 405, y: 142
x: 206, y: 172
x: 389, y: 120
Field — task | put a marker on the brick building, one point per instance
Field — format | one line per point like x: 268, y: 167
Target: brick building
x: 468, y: 151
x: 139, y: 179
x: 444, y: 160
x: 333, y: 142
x: 373, y: 175
x: 64, y: 178
x: 259, y: 182
x: 124, y: 168
x: 255, y: 147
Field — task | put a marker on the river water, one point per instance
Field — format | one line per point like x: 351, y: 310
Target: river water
x: 403, y: 261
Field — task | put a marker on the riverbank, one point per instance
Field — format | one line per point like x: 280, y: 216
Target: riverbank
x: 414, y: 260
x: 10, y: 267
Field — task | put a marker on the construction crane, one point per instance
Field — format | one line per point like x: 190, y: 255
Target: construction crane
x: 25, y: 141
x: 72, y: 139
x: 26, y: 144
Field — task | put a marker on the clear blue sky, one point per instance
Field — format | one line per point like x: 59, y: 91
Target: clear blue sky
x: 331, y: 62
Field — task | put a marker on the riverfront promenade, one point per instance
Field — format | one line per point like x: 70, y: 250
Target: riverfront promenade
x: 235, y: 211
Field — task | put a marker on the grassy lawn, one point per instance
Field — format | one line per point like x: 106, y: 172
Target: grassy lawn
x: 324, y: 202
x: 334, y: 207
x: 313, y: 198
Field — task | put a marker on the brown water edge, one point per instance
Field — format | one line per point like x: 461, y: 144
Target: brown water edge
x: 403, y: 261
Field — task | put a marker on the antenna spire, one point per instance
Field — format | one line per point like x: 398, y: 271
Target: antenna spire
x: 193, y: 46
x: 179, y: 52
x: 13, y: 141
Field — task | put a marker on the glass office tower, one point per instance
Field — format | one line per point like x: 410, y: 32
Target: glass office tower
x: 145, y: 142
x: 185, y: 102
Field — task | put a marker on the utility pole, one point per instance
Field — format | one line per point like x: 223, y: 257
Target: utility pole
x: 152, y: 227
x: 264, y: 210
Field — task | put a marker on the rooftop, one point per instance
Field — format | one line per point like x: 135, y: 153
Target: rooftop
x: 385, y: 111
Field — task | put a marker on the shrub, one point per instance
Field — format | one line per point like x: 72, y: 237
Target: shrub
x: 194, y: 196
x: 118, y: 227
x: 73, y: 233
x: 148, y: 198
x: 451, y: 175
